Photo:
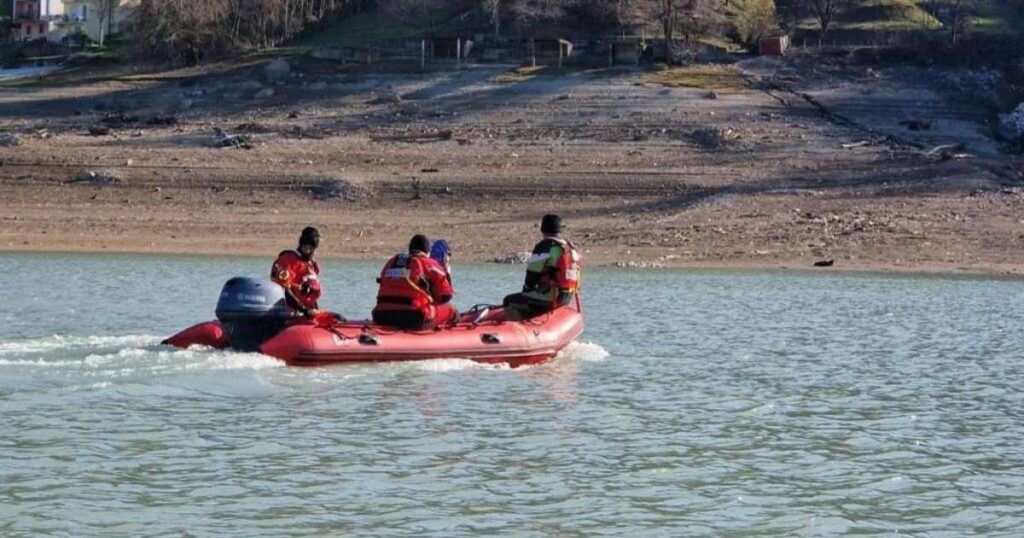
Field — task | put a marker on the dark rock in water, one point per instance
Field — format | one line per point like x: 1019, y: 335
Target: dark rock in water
x: 824, y: 263
x: 99, y: 130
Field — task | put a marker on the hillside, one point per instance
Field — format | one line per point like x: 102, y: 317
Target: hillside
x: 866, y: 22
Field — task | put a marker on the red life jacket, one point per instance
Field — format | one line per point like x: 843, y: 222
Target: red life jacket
x: 293, y: 272
x: 413, y: 282
x: 564, y: 280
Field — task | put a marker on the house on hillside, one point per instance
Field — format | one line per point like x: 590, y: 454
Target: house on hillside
x: 35, y: 19
x: 85, y: 18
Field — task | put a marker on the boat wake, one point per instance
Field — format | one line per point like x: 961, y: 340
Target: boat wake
x: 120, y: 356
x: 127, y: 356
x: 584, y: 352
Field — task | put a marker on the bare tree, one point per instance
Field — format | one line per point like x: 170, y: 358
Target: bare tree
x: 686, y: 18
x: 788, y: 13
x: 493, y: 10
x: 956, y: 16
x: 104, y: 16
x: 526, y: 13
x: 826, y: 12
x: 191, y: 30
x: 754, y: 19
x: 521, y: 15
x: 422, y: 13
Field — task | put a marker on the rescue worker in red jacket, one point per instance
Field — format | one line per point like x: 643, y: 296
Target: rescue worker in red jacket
x: 415, y: 290
x: 299, y: 274
x: 552, y: 274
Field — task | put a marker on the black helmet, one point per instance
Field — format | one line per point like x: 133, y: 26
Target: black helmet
x: 419, y: 242
x: 310, y: 236
x: 551, y: 225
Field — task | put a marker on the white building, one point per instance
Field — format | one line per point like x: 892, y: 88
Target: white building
x: 34, y: 19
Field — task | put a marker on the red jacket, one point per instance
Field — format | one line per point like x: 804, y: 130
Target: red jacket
x: 299, y: 276
x: 413, y: 282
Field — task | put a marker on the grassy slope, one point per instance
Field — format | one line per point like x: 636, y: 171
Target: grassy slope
x: 370, y: 27
x: 1001, y: 16
x: 888, y: 15
x: 896, y: 15
x: 880, y: 15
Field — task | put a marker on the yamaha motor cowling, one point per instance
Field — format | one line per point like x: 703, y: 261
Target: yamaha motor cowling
x: 252, y: 310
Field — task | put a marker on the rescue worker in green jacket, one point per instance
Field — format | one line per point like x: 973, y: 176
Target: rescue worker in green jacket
x: 552, y: 274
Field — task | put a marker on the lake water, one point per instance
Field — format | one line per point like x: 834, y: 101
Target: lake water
x: 696, y: 404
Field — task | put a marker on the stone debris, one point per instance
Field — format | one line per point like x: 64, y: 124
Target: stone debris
x: 337, y: 189
x: 98, y: 177
x: 226, y: 140
x: 424, y: 136
x: 916, y: 125
x: 167, y: 120
x: 9, y: 140
x: 638, y: 265
x: 709, y: 138
x: 1012, y: 126
x: 277, y: 71
x: 386, y: 98
x: 118, y: 121
x: 514, y: 258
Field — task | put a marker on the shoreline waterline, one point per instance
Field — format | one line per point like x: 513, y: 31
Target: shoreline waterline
x: 800, y: 267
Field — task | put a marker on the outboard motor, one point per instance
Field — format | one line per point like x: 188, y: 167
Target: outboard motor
x: 252, y: 310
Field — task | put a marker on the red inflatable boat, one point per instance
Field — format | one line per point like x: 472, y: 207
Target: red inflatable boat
x: 482, y: 336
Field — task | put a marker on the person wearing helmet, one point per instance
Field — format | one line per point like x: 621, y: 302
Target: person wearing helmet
x: 552, y: 274
x: 415, y: 290
x: 298, y: 272
x: 441, y: 253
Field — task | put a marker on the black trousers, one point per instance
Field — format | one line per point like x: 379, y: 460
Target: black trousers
x: 401, y: 319
x: 520, y: 306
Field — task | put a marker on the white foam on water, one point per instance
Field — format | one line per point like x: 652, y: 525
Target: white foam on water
x: 233, y: 360
x: 202, y: 358
x: 60, y: 342
x: 122, y: 356
x: 452, y: 365
x: 583, y: 351
x: 101, y: 359
x: 37, y: 362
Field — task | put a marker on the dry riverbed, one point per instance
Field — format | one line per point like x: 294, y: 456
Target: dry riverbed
x: 767, y: 164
